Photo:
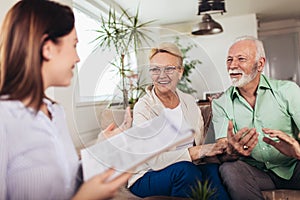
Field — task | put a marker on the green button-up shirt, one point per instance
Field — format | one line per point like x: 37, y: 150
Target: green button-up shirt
x: 277, y: 107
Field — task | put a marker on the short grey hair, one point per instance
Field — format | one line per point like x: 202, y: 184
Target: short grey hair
x: 260, y: 51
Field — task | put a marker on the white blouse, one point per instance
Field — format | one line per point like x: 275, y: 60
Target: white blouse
x: 150, y: 106
x: 177, y: 117
x: 37, y: 157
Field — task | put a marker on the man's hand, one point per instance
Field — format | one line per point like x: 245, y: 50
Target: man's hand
x: 243, y: 142
x: 287, y: 145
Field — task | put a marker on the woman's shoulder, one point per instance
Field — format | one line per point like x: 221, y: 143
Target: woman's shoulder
x: 147, y: 99
x: 53, y: 105
x: 7, y: 107
x: 187, y: 98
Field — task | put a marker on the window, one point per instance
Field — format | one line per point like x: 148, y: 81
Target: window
x: 84, y: 26
x: 98, y: 79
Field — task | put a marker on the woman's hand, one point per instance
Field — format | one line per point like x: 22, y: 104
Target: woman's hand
x: 112, y: 130
x: 287, y: 145
x: 206, y: 150
x: 99, y: 188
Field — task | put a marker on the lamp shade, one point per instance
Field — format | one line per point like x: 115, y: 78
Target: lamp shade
x: 208, y: 26
x: 211, y: 6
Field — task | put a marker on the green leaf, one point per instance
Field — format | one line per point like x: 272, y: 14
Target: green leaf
x: 124, y: 33
x: 189, y: 65
x: 202, y: 191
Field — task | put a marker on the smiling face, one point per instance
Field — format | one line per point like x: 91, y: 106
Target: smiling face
x: 60, y: 60
x: 242, y: 64
x: 165, y: 83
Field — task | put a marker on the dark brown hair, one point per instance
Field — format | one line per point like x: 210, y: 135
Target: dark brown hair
x: 27, y: 25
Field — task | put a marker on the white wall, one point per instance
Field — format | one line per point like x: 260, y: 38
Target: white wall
x: 64, y: 96
x: 212, y: 75
x: 5, y: 6
x: 83, y: 119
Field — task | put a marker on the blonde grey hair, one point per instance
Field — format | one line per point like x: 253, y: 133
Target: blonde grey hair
x: 167, y: 47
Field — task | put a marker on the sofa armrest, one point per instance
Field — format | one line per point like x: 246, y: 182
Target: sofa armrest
x: 281, y: 194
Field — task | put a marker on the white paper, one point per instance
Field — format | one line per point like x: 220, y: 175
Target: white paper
x: 134, y: 146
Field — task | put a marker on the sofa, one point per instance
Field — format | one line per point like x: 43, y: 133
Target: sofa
x: 205, y: 107
x: 268, y: 195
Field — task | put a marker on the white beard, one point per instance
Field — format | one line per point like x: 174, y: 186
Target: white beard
x: 245, y: 79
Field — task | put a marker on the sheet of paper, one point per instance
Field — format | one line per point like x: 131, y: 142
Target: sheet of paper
x: 134, y: 146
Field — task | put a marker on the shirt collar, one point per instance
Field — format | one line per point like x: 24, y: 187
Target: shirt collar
x: 263, y: 84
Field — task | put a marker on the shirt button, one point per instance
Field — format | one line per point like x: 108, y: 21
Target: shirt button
x: 268, y: 162
x: 264, y: 148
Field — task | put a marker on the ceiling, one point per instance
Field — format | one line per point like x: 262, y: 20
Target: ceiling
x: 178, y: 11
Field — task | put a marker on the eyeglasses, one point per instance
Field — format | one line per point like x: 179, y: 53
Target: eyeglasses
x: 167, y: 70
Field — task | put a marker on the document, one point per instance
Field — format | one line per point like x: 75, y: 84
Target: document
x: 127, y: 150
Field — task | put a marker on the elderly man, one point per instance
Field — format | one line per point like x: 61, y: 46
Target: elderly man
x: 260, y: 120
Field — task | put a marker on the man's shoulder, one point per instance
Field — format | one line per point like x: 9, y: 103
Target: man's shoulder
x: 283, y: 85
x: 224, y: 96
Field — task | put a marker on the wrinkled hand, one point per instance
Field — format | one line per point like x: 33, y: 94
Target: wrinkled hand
x: 244, y: 137
x: 99, y: 188
x: 111, y: 130
x: 206, y: 150
x: 287, y: 145
x: 213, y: 149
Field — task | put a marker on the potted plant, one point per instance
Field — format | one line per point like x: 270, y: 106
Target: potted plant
x: 202, y: 191
x: 124, y: 33
x: 136, y: 88
x: 188, y: 64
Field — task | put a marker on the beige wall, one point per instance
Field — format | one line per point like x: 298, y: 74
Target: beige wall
x: 212, y: 75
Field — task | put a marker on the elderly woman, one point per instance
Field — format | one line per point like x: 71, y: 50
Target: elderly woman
x: 172, y: 173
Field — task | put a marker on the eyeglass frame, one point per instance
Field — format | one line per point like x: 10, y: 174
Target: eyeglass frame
x: 164, y: 69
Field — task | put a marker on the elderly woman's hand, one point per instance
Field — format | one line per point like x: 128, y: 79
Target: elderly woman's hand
x: 112, y: 130
x: 206, y: 150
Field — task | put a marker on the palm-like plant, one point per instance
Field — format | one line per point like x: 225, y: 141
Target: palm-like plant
x: 202, y: 191
x: 124, y: 33
x: 189, y: 65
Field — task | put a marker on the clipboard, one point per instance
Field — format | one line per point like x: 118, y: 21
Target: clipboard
x: 125, y: 151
